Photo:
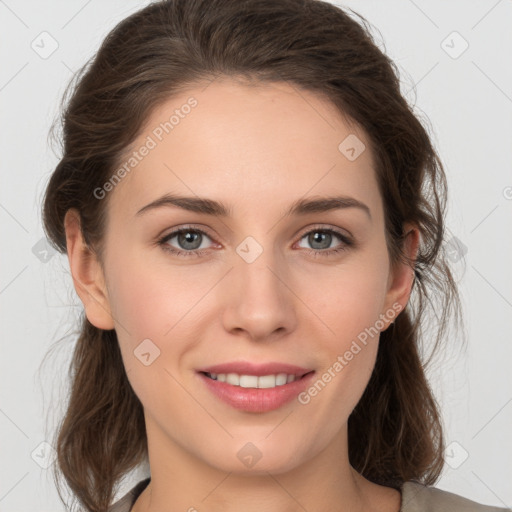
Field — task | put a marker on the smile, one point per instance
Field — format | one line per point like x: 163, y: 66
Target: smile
x: 255, y: 393
x: 253, y: 381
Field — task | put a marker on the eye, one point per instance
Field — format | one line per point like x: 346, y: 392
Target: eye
x: 321, y: 238
x: 189, y: 239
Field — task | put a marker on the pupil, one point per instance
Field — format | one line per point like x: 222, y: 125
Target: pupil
x: 189, y: 237
x: 320, y: 236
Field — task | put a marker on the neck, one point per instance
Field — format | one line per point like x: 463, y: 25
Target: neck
x: 325, y: 481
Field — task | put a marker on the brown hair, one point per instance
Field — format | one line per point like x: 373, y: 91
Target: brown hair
x: 395, y: 431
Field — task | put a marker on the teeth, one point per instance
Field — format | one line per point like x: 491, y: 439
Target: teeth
x: 282, y: 378
x: 248, y: 381
x: 253, y: 381
x: 270, y: 381
x: 233, y: 378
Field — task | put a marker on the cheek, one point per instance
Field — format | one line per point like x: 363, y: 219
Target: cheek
x: 352, y: 310
x: 151, y: 300
x: 350, y: 350
x: 355, y: 298
x: 155, y: 309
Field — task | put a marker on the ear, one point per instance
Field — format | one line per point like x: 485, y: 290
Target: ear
x: 401, y: 276
x: 87, y: 274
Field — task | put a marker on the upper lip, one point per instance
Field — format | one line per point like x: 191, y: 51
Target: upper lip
x: 247, y: 368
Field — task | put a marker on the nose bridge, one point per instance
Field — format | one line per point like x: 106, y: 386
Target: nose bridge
x: 259, y: 301
x: 256, y: 269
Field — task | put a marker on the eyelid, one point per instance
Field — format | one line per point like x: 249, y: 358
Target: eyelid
x: 325, y: 227
x: 344, y: 236
x: 300, y: 234
x: 192, y: 227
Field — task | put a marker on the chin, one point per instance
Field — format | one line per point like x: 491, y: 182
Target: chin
x: 257, y: 458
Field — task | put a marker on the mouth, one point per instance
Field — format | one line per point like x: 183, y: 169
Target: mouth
x: 253, y: 389
x: 254, y: 381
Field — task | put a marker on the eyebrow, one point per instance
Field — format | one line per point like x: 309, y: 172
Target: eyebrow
x: 212, y: 207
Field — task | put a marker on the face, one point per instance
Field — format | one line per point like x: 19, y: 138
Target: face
x: 253, y: 285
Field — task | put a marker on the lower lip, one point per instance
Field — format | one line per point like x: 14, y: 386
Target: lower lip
x: 255, y: 399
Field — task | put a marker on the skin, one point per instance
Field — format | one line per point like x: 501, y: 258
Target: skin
x: 257, y: 149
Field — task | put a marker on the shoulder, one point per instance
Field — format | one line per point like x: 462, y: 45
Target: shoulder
x: 125, y: 503
x: 419, y: 498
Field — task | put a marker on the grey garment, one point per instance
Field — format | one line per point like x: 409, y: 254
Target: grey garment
x: 415, y: 498
x: 419, y: 498
x: 125, y: 504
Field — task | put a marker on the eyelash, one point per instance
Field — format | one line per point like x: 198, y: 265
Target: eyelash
x: 346, y: 242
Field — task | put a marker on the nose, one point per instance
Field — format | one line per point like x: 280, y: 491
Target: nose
x: 260, y: 302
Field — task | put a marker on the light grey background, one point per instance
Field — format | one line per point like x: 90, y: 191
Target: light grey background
x: 467, y: 98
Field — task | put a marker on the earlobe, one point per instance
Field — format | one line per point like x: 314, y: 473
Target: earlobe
x: 402, y: 276
x: 87, y: 274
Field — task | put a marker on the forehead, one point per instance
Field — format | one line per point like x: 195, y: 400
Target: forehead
x: 270, y: 142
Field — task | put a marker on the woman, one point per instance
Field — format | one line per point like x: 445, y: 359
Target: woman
x: 253, y: 218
